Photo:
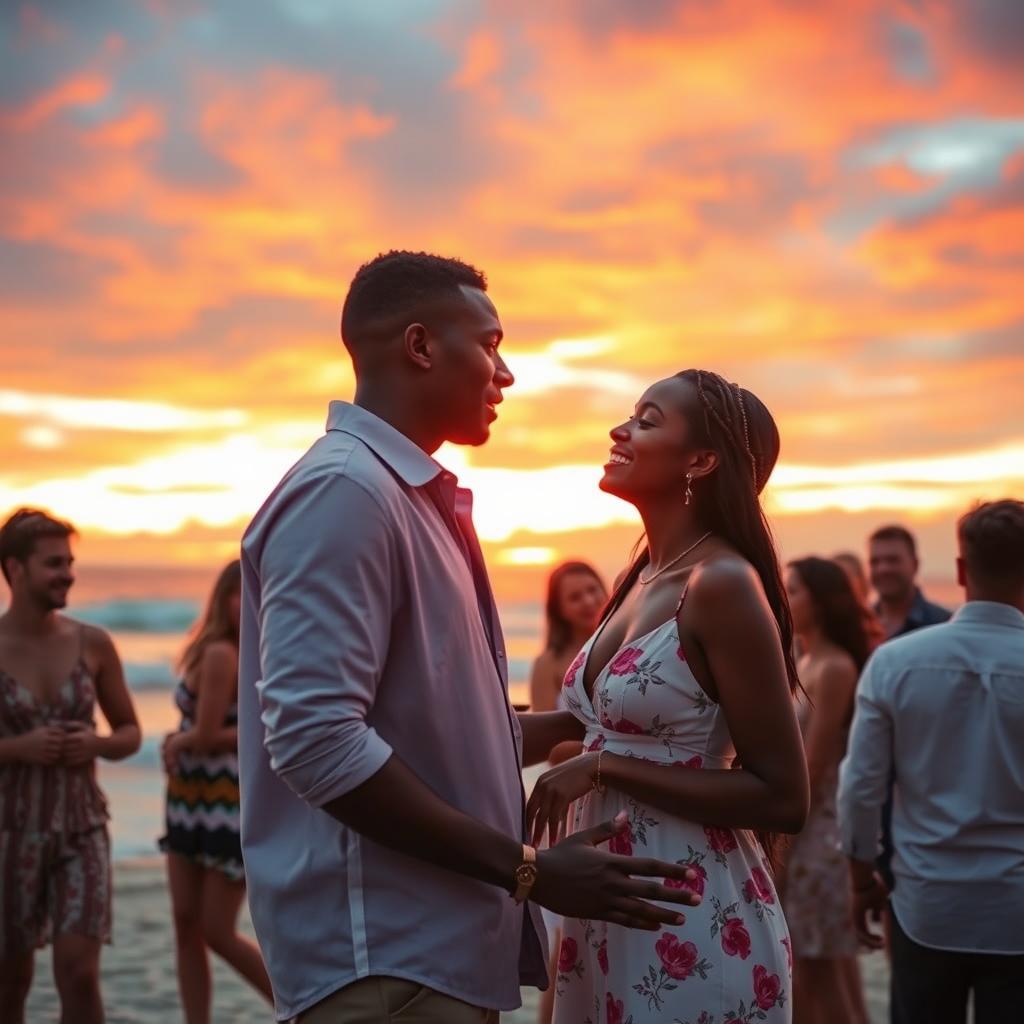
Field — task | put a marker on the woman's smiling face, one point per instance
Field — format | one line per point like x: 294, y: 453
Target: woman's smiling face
x: 655, y: 447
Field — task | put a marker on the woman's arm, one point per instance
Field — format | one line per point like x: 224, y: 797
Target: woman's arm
x: 826, y: 734
x: 729, y: 615
x: 81, y: 743
x: 217, y: 687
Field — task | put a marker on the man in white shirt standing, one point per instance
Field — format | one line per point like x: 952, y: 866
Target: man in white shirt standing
x: 383, y: 813
x: 944, y: 709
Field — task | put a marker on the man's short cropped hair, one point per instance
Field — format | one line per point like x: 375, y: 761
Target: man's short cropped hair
x: 400, y: 282
x: 894, y: 532
x: 992, y: 542
x: 19, y: 534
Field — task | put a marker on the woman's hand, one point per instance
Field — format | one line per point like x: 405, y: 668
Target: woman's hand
x: 170, y: 750
x: 555, y: 790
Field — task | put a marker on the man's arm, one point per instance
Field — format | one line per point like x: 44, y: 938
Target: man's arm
x: 329, y: 582
x: 863, y: 783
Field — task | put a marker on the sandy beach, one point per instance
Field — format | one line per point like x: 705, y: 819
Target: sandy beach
x: 140, y: 987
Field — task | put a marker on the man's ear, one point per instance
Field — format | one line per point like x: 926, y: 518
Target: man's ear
x: 419, y: 346
x: 961, y: 572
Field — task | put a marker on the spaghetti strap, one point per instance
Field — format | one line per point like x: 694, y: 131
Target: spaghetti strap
x: 682, y: 596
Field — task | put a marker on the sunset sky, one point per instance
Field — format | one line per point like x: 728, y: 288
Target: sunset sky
x: 824, y: 202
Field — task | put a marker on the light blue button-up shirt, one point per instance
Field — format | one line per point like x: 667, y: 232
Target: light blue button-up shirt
x: 369, y: 628
x: 944, y: 707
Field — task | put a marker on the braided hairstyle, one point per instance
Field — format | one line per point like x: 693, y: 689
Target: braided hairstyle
x: 738, y: 427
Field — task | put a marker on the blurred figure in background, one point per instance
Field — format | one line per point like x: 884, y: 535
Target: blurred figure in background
x: 576, y: 595
x: 901, y: 608
x: 54, y: 845
x: 204, y: 853
x: 854, y: 569
x: 943, y: 709
x: 837, y: 633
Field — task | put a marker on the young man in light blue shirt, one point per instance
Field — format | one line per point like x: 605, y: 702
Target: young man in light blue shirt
x: 943, y: 708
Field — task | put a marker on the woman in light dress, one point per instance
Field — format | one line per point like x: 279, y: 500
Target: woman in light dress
x: 576, y: 594
x: 836, y: 633
x: 686, y: 695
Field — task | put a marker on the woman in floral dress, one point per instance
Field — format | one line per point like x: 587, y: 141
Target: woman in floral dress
x: 685, y: 692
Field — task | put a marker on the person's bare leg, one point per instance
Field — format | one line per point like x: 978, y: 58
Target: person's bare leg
x: 185, y: 880
x: 76, y: 973
x: 15, y: 982
x: 853, y: 990
x: 222, y: 899
x: 546, y: 1006
x: 821, y: 992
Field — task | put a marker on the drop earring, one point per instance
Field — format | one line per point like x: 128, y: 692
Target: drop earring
x: 689, y: 489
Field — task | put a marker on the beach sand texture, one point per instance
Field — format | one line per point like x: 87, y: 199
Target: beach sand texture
x: 140, y: 986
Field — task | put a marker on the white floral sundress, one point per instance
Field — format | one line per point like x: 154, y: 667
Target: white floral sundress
x: 731, y: 960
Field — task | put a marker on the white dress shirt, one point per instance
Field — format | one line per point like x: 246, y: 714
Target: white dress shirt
x: 369, y: 628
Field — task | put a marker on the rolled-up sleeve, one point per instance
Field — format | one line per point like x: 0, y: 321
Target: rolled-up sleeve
x: 864, y: 773
x: 326, y: 600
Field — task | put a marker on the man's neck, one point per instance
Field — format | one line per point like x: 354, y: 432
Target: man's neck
x: 385, y: 404
x: 25, y: 618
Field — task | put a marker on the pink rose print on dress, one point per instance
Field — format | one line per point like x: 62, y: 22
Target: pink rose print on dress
x: 757, y: 889
x: 602, y: 957
x: 597, y: 744
x: 568, y: 958
x: 678, y: 958
x: 694, y: 762
x: 678, y: 961
x: 625, y: 661
x: 767, y: 988
x: 614, y: 1009
x: 622, y: 843
x: 570, y: 672
x: 735, y: 938
x: 694, y: 885
x: 624, y: 725
x: 789, y: 953
x: 721, y: 841
x: 567, y: 955
x: 680, y: 653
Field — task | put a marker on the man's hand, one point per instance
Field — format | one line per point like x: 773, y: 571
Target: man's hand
x: 42, y: 745
x: 577, y: 880
x: 81, y: 744
x: 869, y: 901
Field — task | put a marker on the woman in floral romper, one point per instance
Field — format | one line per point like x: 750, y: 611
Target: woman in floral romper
x: 685, y: 692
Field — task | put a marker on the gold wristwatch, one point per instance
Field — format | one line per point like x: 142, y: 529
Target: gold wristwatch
x: 526, y: 874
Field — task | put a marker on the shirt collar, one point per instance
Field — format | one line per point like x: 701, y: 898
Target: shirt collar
x: 994, y: 612
x: 407, y: 459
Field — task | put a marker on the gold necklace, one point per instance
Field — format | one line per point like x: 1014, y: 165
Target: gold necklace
x: 677, y: 559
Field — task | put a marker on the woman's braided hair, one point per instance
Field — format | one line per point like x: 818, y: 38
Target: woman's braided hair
x: 737, y: 426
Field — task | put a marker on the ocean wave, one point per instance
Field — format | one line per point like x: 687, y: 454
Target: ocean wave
x: 150, y: 675
x: 132, y: 616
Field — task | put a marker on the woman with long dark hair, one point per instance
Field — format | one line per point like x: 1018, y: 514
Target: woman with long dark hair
x: 202, y: 843
x: 576, y: 594
x: 685, y: 691
x: 836, y: 633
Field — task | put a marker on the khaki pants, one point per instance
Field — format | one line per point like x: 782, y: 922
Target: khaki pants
x: 382, y: 1000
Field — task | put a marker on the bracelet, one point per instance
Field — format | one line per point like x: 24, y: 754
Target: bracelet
x: 597, y: 782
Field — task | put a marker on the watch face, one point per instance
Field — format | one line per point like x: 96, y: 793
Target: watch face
x: 526, y: 874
